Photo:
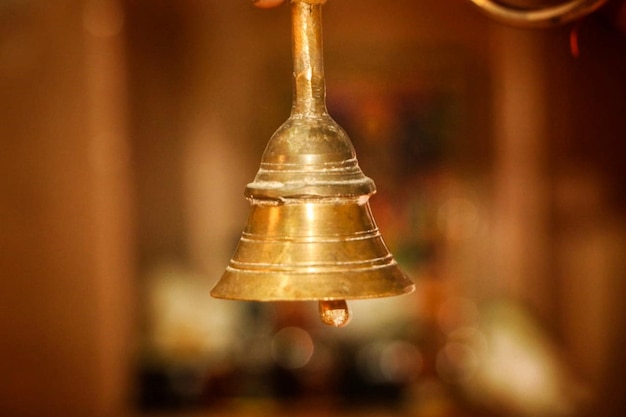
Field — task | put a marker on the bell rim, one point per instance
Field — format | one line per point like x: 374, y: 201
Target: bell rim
x: 382, y: 282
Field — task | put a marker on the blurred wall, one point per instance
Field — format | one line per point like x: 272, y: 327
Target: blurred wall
x: 65, y: 230
x: 558, y: 201
x: 130, y: 129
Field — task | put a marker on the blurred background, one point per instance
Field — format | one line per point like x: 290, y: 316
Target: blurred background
x: 128, y: 132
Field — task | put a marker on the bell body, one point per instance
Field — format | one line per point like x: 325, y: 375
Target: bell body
x: 312, y: 250
x: 310, y: 234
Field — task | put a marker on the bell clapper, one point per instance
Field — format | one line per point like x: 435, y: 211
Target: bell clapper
x: 334, y: 312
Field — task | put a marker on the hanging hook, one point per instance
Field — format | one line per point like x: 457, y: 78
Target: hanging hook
x: 541, y: 17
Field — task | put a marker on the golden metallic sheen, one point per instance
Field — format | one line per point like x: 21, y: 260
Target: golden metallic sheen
x: 310, y: 234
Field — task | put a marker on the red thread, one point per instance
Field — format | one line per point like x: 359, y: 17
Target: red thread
x: 573, y: 41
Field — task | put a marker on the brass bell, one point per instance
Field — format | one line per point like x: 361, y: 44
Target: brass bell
x: 310, y: 234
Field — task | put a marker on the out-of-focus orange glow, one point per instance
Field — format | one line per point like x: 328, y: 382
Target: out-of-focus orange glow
x: 130, y: 128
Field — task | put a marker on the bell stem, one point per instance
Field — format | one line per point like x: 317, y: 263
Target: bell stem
x: 308, y: 61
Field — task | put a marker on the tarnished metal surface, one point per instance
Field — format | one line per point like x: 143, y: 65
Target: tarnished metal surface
x: 310, y: 234
x: 311, y: 249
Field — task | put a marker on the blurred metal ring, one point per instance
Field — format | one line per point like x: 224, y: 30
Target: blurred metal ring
x: 542, y: 17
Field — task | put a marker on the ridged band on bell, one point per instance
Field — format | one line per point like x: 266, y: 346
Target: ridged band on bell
x: 311, y: 250
x: 309, y: 156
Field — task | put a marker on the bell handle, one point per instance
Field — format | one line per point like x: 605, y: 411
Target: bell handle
x: 308, y: 59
